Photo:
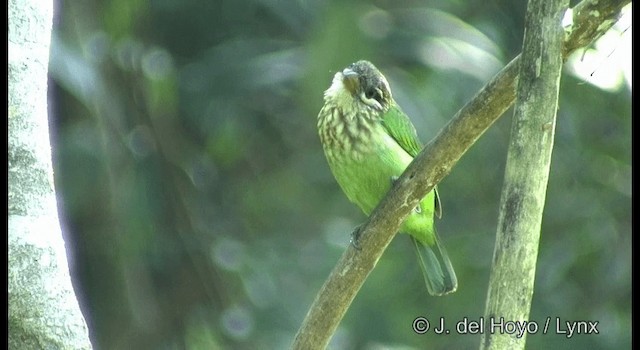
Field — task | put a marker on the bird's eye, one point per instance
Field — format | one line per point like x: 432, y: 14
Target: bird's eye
x: 372, y: 97
x: 369, y: 93
x: 374, y: 93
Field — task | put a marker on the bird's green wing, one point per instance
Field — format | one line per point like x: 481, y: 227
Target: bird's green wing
x: 399, y: 126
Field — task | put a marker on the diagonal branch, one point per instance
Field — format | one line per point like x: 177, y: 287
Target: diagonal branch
x: 591, y: 20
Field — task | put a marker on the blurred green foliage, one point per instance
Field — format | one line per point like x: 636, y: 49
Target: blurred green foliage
x: 200, y: 212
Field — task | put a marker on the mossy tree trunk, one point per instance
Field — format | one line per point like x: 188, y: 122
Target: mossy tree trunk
x: 526, y: 174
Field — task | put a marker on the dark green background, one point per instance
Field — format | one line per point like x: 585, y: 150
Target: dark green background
x: 199, y: 210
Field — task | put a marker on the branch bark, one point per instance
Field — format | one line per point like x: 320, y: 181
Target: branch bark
x: 526, y: 173
x: 43, y: 310
x: 591, y: 20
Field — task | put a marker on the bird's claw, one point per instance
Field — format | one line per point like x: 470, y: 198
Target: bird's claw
x: 355, y: 236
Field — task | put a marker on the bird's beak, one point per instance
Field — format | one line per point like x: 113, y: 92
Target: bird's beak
x: 350, y: 80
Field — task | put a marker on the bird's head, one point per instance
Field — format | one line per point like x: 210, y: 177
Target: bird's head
x: 362, y: 83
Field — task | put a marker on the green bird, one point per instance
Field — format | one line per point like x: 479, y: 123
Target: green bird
x: 368, y: 142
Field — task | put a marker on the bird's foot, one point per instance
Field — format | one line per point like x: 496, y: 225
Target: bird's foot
x: 355, y: 236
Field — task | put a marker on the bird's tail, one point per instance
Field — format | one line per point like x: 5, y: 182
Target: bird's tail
x: 436, y: 267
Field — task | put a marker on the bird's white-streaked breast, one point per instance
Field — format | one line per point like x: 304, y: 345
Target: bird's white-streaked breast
x: 345, y: 124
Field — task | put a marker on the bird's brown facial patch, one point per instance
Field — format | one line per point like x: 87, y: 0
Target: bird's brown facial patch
x: 373, y: 85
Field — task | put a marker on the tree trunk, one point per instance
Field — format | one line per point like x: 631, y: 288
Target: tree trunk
x: 526, y: 175
x: 43, y: 310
